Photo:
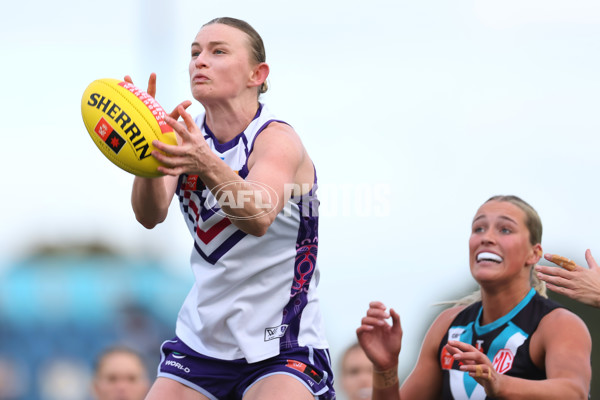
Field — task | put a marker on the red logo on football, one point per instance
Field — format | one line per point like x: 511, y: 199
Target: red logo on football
x: 103, y: 129
x: 503, y: 360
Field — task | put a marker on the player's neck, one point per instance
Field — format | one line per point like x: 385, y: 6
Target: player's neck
x: 226, y: 120
x: 498, y: 303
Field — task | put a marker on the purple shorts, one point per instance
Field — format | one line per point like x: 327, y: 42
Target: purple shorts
x: 230, y: 379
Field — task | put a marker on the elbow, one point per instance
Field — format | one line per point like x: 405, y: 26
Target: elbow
x: 583, y: 393
x: 148, y: 224
x: 147, y: 216
x: 257, y: 227
x: 579, y: 390
x: 258, y: 231
x: 151, y: 221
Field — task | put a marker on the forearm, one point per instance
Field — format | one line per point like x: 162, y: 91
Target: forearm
x: 549, y: 389
x: 250, y: 206
x: 150, y: 200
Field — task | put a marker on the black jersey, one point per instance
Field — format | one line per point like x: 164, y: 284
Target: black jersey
x: 505, y: 342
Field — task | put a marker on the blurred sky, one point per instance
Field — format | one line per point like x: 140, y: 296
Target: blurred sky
x: 414, y: 112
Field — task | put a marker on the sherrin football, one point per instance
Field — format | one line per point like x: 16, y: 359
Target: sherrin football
x: 123, y: 121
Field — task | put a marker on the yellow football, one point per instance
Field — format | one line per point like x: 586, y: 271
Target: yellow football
x: 123, y: 121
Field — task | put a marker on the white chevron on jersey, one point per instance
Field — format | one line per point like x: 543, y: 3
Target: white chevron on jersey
x: 503, y: 358
x: 458, y: 387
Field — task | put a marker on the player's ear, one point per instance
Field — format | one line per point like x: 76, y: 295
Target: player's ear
x: 259, y: 75
x: 536, y: 254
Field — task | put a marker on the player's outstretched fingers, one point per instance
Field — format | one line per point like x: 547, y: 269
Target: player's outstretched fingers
x: 590, y: 260
x: 564, y: 262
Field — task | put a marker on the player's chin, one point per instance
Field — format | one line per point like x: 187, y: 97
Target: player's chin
x: 203, y: 92
x: 484, y: 275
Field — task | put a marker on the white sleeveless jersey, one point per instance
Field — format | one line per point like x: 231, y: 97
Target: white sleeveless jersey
x: 252, y: 295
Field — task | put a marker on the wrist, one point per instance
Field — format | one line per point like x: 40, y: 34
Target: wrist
x: 383, y: 379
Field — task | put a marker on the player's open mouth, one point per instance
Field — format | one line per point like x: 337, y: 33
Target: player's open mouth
x: 487, y: 256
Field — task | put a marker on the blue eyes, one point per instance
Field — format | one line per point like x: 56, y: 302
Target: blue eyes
x: 216, y: 51
x: 481, y: 229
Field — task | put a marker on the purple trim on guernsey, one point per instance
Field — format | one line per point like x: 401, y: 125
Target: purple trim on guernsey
x: 243, y: 172
x: 205, y: 213
x: 307, y: 245
x: 223, y: 147
x: 262, y: 128
x: 231, y: 241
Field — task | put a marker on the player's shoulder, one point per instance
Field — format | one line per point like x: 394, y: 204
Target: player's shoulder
x: 442, y: 322
x: 561, y: 326
x: 562, y: 318
x: 449, y: 314
x: 279, y: 128
x: 438, y: 329
x: 279, y: 137
x: 269, y: 123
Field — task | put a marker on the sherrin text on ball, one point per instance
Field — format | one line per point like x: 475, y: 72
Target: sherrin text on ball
x: 123, y: 120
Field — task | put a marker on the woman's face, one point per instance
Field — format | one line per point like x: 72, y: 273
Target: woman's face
x: 121, y: 376
x: 220, y: 66
x: 499, y: 247
x: 357, y: 375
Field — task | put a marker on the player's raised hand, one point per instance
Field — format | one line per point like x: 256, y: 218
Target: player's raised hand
x: 380, y: 341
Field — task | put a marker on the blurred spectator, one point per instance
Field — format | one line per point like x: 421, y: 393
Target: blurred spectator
x: 64, y: 379
x: 139, y: 330
x: 356, y: 374
x: 120, y: 374
x: 12, y: 380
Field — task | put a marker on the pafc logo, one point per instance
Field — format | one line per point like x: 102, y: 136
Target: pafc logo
x: 275, y: 332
